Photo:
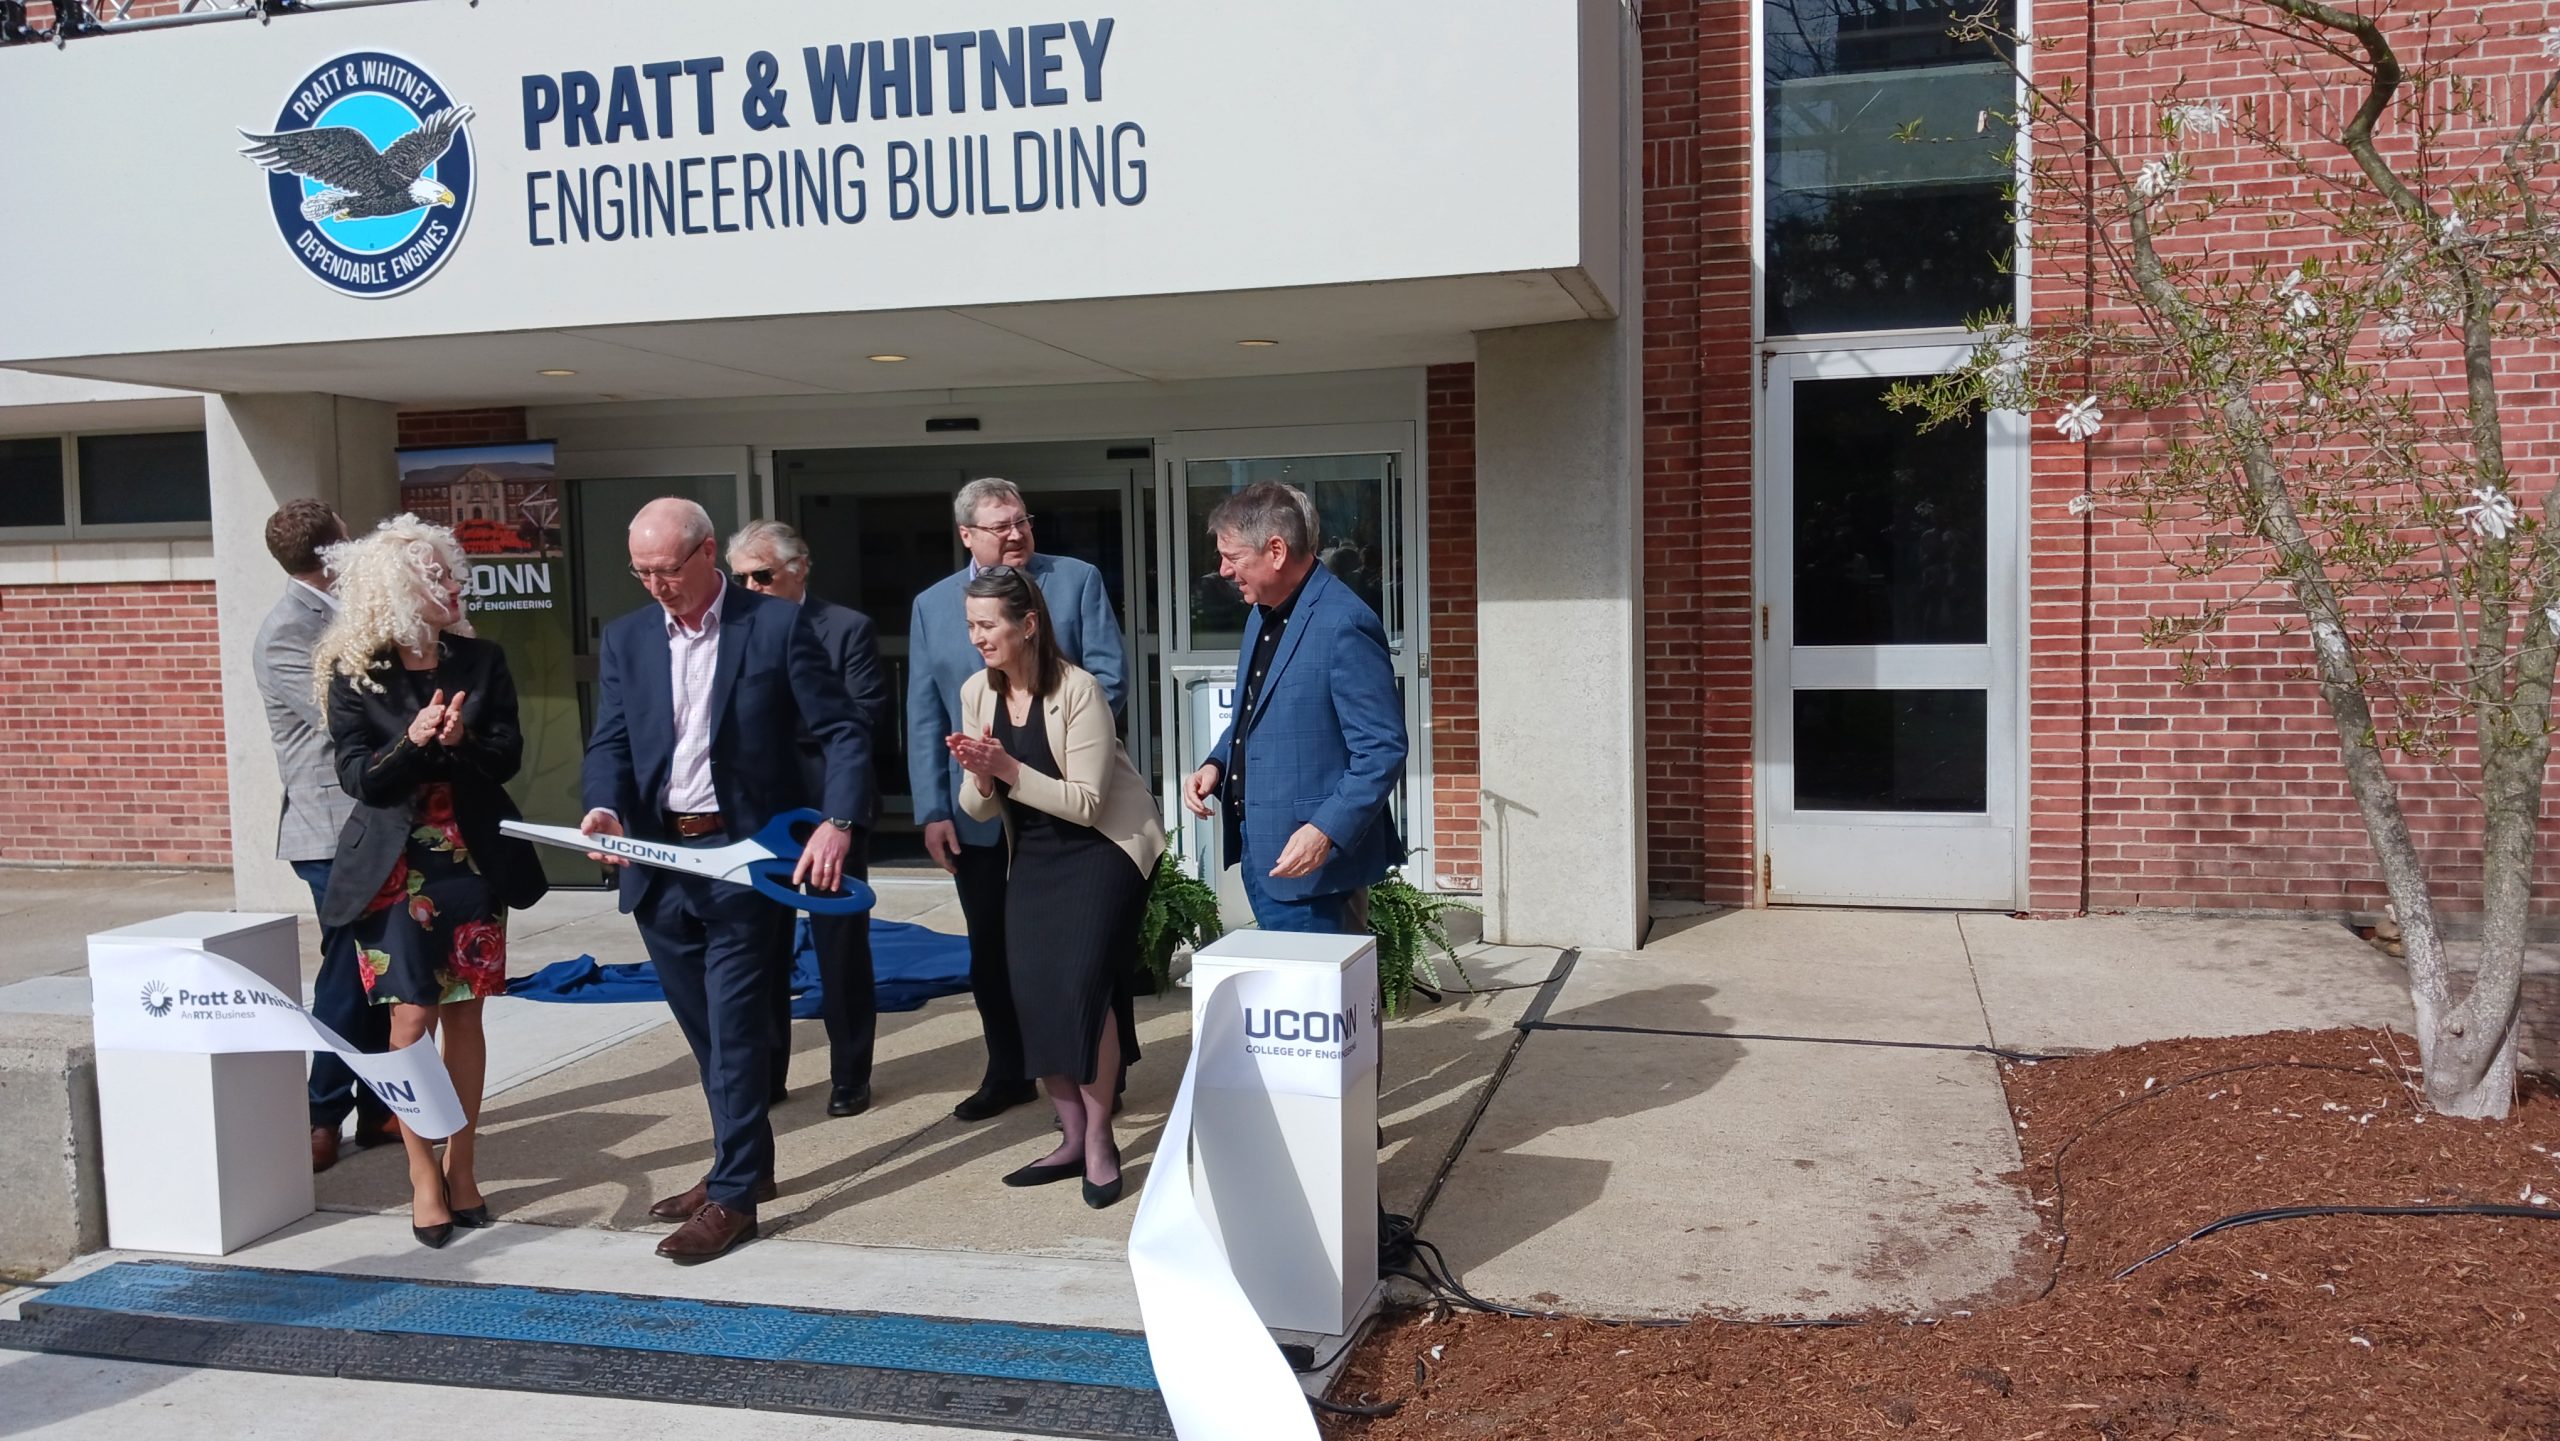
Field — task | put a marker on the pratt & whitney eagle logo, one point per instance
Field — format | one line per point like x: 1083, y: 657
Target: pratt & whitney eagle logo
x: 369, y: 173
x: 156, y: 999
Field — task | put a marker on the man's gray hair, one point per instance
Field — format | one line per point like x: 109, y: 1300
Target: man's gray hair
x: 964, y: 506
x: 1264, y: 509
x: 773, y: 537
x: 695, y: 522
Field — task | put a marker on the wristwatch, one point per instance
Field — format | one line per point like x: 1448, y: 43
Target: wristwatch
x: 844, y: 826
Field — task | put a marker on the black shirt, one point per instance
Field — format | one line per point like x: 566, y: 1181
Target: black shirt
x: 1275, y: 624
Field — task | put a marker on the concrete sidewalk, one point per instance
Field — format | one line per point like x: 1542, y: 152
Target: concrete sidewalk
x: 1770, y: 1112
x: 1778, y: 1112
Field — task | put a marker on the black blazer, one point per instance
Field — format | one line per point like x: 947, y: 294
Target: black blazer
x: 380, y: 768
x: 771, y: 684
x: 853, y: 649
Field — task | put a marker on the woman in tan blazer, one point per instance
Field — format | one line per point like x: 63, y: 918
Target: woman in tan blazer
x: 1038, y: 743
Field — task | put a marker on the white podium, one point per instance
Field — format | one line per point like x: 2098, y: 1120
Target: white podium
x: 205, y: 1154
x: 1286, y: 1135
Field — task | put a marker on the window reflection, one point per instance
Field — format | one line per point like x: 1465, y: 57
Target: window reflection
x: 1885, y: 170
x: 1353, y: 501
x: 1890, y: 526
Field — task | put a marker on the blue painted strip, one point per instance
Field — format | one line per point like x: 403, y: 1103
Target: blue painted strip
x: 321, y: 1300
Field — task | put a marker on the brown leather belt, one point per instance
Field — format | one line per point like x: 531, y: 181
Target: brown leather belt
x: 693, y: 825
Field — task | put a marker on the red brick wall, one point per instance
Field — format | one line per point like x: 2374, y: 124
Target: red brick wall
x: 2227, y: 793
x: 1457, y: 776
x: 112, y: 695
x: 498, y: 425
x: 1699, y: 92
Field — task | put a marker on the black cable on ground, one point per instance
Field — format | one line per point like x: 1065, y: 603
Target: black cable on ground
x: 2006, y: 1055
x: 2062, y: 1206
x: 1338, y: 1408
x: 2295, y: 1213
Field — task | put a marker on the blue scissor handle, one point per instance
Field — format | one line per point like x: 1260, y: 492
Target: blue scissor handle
x: 773, y: 878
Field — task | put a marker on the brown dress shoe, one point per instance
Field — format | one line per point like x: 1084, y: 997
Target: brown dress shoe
x: 712, y: 1231
x: 324, y: 1148
x: 681, y: 1206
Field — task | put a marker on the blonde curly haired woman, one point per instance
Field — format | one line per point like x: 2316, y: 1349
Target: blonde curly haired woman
x: 423, y: 717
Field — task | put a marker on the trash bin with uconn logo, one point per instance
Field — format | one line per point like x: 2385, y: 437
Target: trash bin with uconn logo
x: 1286, y: 1132
x: 203, y: 1153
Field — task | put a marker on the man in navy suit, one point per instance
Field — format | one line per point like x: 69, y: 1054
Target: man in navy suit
x: 700, y: 704
x: 995, y: 526
x: 1317, y: 743
x: 769, y: 558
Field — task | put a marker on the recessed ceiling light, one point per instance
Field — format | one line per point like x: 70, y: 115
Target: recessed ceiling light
x: 886, y: 358
x: 555, y: 372
x: 1257, y: 344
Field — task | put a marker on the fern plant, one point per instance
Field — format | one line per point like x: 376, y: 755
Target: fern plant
x: 1182, y: 910
x: 1411, y: 924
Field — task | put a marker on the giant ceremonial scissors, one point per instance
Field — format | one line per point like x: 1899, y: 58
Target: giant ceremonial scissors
x: 764, y: 860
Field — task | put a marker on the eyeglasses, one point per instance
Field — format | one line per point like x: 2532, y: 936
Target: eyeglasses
x: 1019, y: 526
x: 756, y: 577
x: 645, y: 574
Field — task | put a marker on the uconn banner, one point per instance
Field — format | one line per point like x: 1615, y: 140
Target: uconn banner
x: 146, y: 996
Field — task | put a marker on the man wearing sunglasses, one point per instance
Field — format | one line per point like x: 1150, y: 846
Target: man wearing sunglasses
x: 769, y: 558
x: 995, y: 527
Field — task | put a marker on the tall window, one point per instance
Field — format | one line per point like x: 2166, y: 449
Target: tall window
x: 1884, y: 172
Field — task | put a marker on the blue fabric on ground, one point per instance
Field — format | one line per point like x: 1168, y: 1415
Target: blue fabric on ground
x: 910, y: 965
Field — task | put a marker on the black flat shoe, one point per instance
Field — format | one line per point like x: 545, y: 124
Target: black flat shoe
x: 848, y: 1100
x: 1103, y: 1195
x: 993, y: 1099
x: 1036, y: 1174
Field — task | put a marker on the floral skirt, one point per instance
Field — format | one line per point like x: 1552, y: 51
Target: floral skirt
x: 435, y: 933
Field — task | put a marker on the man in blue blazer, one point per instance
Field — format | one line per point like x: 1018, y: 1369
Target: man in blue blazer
x: 995, y: 526
x: 701, y: 700
x: 1317, y: 742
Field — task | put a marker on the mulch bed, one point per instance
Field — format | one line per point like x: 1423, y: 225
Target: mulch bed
x: 2348, y: 1327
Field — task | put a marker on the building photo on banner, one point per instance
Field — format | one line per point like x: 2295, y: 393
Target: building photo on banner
x: 1497, y: 667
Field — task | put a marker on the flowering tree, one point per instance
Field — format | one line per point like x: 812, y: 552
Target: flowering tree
x: 2307, y: 294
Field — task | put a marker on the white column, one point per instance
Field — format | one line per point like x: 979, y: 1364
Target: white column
x: 263, y: 450
x: 1559, y: 581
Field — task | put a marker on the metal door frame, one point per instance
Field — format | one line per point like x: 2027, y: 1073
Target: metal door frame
x: 1997, y: 666
x: 1404, y: 556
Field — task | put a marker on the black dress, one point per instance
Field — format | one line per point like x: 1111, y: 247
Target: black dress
x: 1072, y: 908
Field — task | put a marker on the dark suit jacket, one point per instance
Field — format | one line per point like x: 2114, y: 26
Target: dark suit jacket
x: 380, y: 768
x: 772, y: 681
x: 1325, y: 744
x: 853, y: 652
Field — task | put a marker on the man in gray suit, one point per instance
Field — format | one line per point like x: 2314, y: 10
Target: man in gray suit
x: 770, y: 558
x: 315, y: 811
x: 995, y: 526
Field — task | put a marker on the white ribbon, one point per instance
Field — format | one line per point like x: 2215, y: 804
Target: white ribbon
x: 153, y: 996
x: 1221, y: 1376
x: 1300, y: 1035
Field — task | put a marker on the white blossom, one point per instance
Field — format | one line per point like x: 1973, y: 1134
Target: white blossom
x: 2082, y: 505
x: 2199, y: 117
x: 2551, y: 43
x: 2080, y: 419
x: 2155, y: 180
x: 2453, y: 227
x: 2490, y: 512
x: 2299, y: 306
x: 2397, y: 330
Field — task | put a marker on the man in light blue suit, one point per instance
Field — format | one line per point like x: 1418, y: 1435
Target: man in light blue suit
x: 995, y: 526
x: 1317, y: 743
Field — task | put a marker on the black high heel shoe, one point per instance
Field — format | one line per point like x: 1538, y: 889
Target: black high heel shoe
x: 1109, y: 1191
x: 469, y: 1218
x: 433, y: 1237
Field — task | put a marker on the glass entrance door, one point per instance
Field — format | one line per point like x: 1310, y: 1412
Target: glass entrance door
x: 1360, y: 480
x: 1890, y: 628
x: 880, y: 530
